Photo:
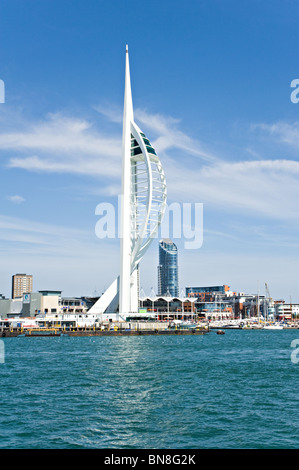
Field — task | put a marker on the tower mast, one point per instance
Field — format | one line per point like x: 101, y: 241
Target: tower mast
x: 126, y: 216
x: 143, y: 203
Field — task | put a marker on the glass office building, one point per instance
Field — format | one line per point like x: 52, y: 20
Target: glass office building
x: 168, y: 283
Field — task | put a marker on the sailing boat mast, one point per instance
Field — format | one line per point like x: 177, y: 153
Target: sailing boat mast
x: 258, y: 302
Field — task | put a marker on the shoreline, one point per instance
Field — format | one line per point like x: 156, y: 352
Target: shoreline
x: 142, y: 328
x: 79, y: 332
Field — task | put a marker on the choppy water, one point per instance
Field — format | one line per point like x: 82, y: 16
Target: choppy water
x: 238, y: 390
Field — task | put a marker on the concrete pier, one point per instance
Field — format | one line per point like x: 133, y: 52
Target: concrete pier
x: 115, y: 329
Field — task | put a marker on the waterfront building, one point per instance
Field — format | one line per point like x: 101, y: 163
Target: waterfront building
x: 168, y: 307
x: 168, y: 268
x: 286, y: 311
x: 72, y: 305
x: 221, y: 302
x: 10, y: 307
x: 21, y: 284
x: 44, y: 302
x: 213, y: 302
x: 68, y: 320
x: 214, y: 310
x: 32, y: 304
x: 196, y: 291
x: 143, y: 203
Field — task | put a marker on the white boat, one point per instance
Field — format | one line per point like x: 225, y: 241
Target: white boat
x: 274, y: 326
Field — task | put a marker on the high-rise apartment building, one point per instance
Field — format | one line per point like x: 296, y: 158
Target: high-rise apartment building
x: 21, y: 284
x: 168, y: 282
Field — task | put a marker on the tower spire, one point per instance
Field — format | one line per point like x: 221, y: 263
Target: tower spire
x: 125, y: 242
x: 128, y: 105
x: 143, y: 202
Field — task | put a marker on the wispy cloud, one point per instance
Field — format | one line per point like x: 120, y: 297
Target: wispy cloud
x: 112, y: 113
x: 10, y: 225
x: 47, y: 239
x: 268, y: 187
x: 284, y: 132
x: 53, y: 253
x: 165, y: 129
x: 78, y: 165
x: 63, y: 144
x: 16, y: 199
x: 169, y: 136
x: 264, y: 188
x: 60, y: 134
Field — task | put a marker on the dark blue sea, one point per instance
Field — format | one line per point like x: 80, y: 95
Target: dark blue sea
x: 233, y: 391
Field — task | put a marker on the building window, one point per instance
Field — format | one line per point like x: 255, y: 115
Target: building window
x: 151, y: 150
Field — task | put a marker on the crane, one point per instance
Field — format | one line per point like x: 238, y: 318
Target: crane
x: 268, y: 292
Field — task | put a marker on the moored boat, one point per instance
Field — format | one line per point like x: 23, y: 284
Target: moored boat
x: 274, y: 326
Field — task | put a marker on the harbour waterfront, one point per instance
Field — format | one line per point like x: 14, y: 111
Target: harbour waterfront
x: 237, y: 390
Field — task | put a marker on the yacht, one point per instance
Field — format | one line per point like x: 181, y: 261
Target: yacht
x: 273, y: 326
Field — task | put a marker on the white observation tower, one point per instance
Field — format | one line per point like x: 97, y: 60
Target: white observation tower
x: 143, y: 202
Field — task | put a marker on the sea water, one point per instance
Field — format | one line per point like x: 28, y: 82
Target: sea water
x: 237, y: 390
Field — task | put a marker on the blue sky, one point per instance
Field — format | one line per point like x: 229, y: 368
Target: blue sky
x: 211, y: 89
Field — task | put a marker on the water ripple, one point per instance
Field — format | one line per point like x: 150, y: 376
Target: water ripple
x: 233, y: 391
